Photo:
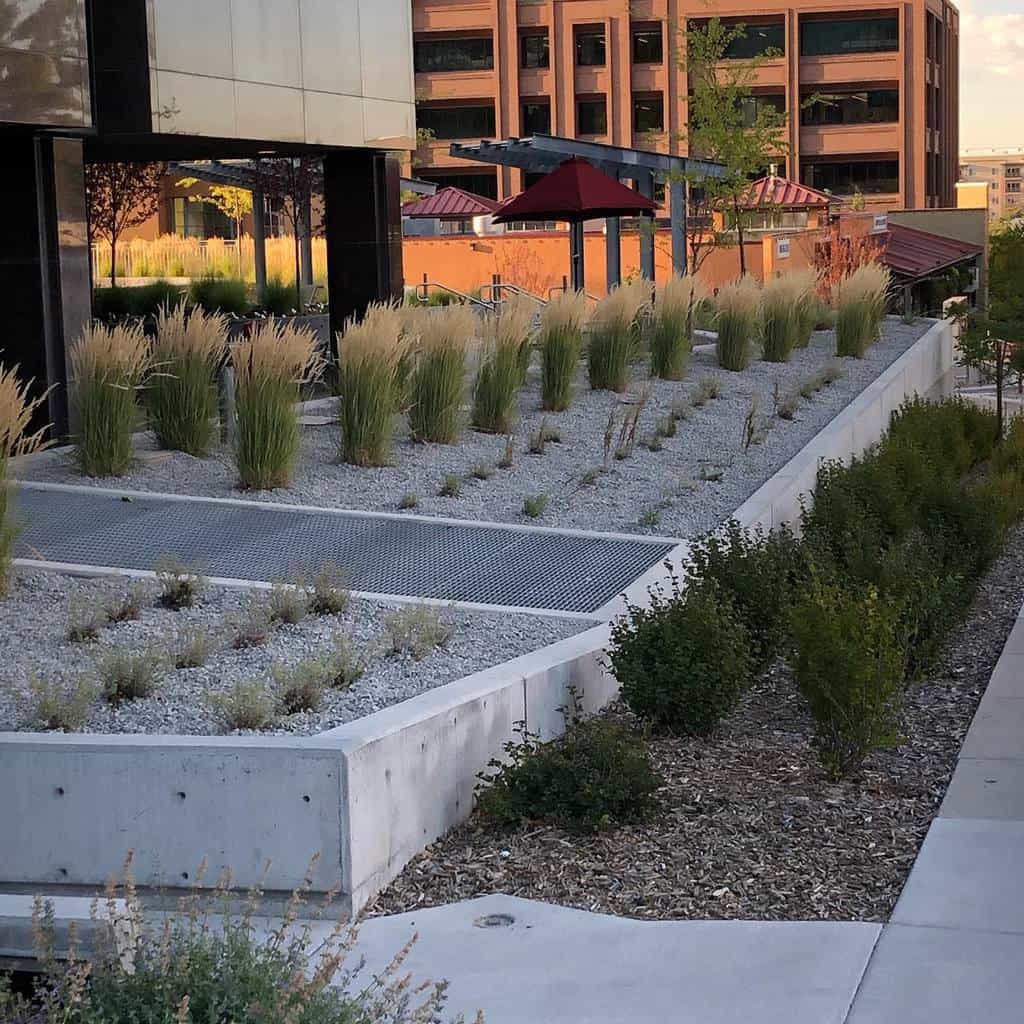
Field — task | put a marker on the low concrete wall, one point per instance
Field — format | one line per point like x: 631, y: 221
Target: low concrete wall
x: 368, y: 795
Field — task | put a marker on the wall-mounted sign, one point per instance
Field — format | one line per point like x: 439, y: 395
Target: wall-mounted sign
x: 782, y: 248
x: 881, y: 222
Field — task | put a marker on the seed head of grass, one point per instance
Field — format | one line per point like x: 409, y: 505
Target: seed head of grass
x: 502, y: 370
x: 180, y: 587
x: 560, y: 342
x: 736, y: 321
x: 781, y: 301
x: 670, y: 336
x: 860, y: 308
x: 614, y: 341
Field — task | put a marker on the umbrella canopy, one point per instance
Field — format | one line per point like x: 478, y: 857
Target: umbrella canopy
x: 450, y: 204
x: 575, y: 192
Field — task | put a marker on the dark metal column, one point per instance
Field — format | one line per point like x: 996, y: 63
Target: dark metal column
x: 259, y: 238
x: 576, y: 257
x: 645, y: 185
x: 677, y: 213
x: 613, y: 248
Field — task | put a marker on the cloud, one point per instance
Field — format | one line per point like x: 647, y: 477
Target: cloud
x: 991, y: 43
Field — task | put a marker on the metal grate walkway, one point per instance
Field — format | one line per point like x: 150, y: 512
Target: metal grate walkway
x: 378, y: 554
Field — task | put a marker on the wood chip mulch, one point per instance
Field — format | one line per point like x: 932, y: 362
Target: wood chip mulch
x: 749, y: 826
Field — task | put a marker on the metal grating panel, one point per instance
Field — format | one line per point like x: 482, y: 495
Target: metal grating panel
x: 410, y: 557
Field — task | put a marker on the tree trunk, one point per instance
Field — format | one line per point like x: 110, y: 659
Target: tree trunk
x: 113, y: 260
x: 739, y: 237
x: 1000, y: 362
x: 298, y: 281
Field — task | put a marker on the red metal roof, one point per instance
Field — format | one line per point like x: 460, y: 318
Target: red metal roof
x: 576, y: 191
x: 450, y: 204
x: 916, y: 253
x: 775, y: 191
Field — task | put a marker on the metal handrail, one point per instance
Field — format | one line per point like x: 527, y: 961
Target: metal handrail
x: 495, y: 289
x: 422, y: 292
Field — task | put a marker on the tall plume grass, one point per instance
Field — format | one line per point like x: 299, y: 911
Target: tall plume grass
x: 371, y: 360
x: 781, y: 302
x: 860, y: 308
x: 736, y: 321
x: 437, y: 385
x: 17, y: 408
x: 271, y: 365
x: 561, y: 344
x: 812, y: 309
x: 671, y: 332
x: 504, y: 362
x: 615, y: 336
x: 190, y: 347
x: 108, y: 367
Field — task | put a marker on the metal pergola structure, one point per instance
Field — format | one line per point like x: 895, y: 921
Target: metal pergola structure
x: 544, y: 153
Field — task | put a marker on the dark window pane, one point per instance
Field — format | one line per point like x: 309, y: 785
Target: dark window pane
x: 534, y: 51
x: 849, y: 35
x: 758, y: 41
x: 475, y: 122
x: 647, y: 45
x: 536, y: 118
x: 454, y: 54
x: 865, y: 106
x: 752, y: 106
x: 648, y: 114
x: 845, y: 177
x: 591, y: 117
x: 590, y: 49
x: 483, y: 183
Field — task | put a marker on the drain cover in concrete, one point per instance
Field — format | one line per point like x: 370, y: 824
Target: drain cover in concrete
x: 410, y: 557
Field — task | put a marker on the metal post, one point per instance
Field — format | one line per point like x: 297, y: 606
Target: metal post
x: 677, y: 213
x: 306, y: 244
x: 613, y: 250
x: 576, y: 260
x: 259, y: 239
x: 227, y: 405
x: 645, y: 182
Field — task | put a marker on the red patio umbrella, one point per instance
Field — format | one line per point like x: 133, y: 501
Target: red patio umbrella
x: 575, y: 192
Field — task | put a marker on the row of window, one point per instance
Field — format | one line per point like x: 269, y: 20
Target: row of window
x: 818, y: 37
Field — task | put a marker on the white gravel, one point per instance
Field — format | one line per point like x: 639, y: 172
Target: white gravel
x: 33, y: 642
x: 694, y: 482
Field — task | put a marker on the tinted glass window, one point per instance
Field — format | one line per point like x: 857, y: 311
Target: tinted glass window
x: 475, y: 122
x: 534, y: 51
x: 758, y: 41
x: 847, y: 176
x: 454, y: 54
x: 591, y: 117
x: 849, y: 35
x: 866, y: 106
x: 647, y: 45
x: 590, y: 49
x: 648, y: 114
x: 536, y: 118
x: 753, y: 105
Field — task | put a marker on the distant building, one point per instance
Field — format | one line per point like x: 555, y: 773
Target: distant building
x: 1002, y: 170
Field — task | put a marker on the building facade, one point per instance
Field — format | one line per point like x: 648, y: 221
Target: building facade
x: 871, y: 89
x: 85, y: 81
x: 1003, y: 171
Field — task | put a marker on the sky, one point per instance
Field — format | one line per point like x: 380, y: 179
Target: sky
x: 991, y: 73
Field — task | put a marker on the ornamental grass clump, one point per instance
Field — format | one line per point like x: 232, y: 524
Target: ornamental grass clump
x: 438, y: 380
x: 370, y: 374
x: 811, y: 308
x: 614, y: 341
x: 108, y: 368
x: 670, y: 335
x: 17, y: 409
x: 560, y: 343
x: 860, y: 308
x: 271, y: 365
x: 738, y: 305
x: 182, y: 398
x: 781, y: 300
x: 502, y: 371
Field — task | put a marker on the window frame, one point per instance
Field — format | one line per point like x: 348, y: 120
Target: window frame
x: 466, y: 105
x: 427, y: 41
x: 541, y: 102
x: 809, y: 22
x: 647, y: 29
x: 582, y: 32
x: 524, y: 37
x: 837, y: 95
x: 592, y: 101
x: 647, y: 97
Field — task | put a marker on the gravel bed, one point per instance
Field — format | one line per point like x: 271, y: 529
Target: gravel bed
x: 750, y: 827
x: 33, y: 640
x: 697, y: 480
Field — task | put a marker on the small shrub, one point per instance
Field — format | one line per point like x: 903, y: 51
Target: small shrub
x: 508, y: 459
x: 142, y: 301
x: 860, y: 309
x: 182, y: 396
x: 86, y: 618
x: 287, y: 605
x: 832, y: 372
x: 781, y: 300
x: 811, y: 310
x: 670, y: 336
x: 108, y: 367
x: 736, y: 323
x: 534, y: 505
x: 650, y: 517
x: 812, y: 385
x: 180, y: 587
x: 544, y: 433
x: 707, y: 389
x: 129, y: 675
x: 127, y: 607
x: 326, y: 593
x: 417, y: 630
x: 614, y: 341
x: 502, y: 371
x: 247, y: 705
x: 667, y: 426
x: 300, y: 687
x: 59, y: 706
x: 345, y: 664
x: 786, y: 407
x: 408, y: 500
x: 450, y: 486
x: 594, y: 777
x: 682, y: 662
x: 277, y: 298
x: 253, y: 625
x: 220, y: 295
x: 848, y: 662
x: 681, y: 409
x: 560, y: 342
x: 438, y: 381
x: 654, y: 442
x: 591, y: 476
x: 482, y: 471
x: 193, y: 648
x: 271, y: 365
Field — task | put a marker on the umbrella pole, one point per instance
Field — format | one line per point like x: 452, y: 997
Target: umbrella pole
x: 576, y: 256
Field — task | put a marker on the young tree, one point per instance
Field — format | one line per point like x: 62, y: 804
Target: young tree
x: 839, y: 255
x: 727, y: 123
x: 119, y: 197
x: 232, y: 201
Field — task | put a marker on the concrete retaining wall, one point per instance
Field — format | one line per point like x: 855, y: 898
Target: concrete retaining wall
x: 371, y: 794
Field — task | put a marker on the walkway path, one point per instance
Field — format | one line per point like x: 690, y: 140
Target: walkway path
x: 525, y: 567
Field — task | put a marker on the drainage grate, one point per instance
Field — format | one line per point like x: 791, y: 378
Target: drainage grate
x: 410, y: 557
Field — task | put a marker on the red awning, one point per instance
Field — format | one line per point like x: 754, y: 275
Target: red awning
x: 912, y: 252
x: 775, y: 191
x: 574, y: 192
x: 450, y: 204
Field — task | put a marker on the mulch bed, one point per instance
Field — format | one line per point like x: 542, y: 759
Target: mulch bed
x: 750, y: 827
